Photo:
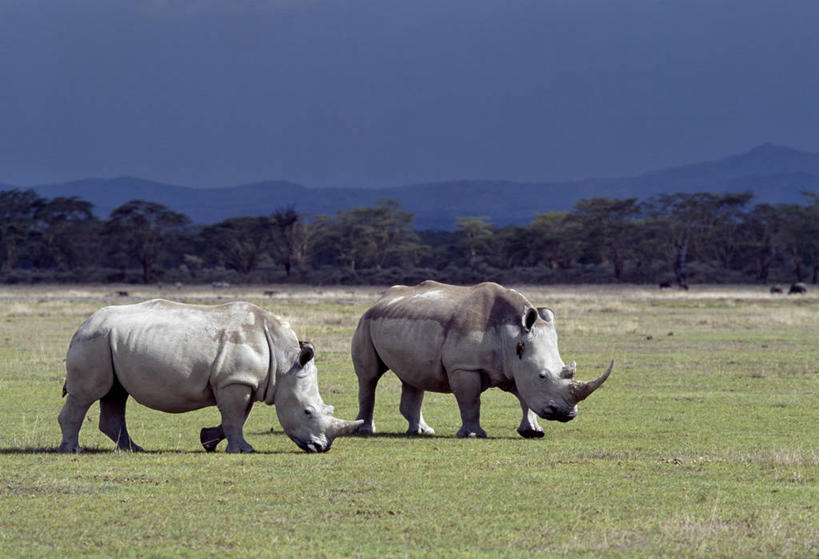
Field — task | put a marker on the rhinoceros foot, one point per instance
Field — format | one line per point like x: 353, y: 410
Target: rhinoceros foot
x: 242, y: 448
x: 366, y: 428
x: 421, y: 430
x: 210, y: 437
x: 530, y: 433
x: 69, y: 448
x: 130, y: 447
x: 464, y: 433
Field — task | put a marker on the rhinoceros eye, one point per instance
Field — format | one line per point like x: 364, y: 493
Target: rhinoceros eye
x: 542, y: 375
x: 308, y: 412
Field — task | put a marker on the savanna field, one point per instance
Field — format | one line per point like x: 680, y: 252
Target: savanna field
x: 704, y: 442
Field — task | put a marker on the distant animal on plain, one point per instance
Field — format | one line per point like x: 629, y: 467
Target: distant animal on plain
x: 798, y: 288
x: 776, y: 289
x: 122, y: 293
x: 665, y: 284
x: 464, y: 340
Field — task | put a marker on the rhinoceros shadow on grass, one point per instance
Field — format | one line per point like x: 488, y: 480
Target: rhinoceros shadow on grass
x: 49, y: 450
x: 465, y: 340
x: 100, y: 450
x: 404, y: 436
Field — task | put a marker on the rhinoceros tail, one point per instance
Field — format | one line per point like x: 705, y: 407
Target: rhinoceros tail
x: 65, y: 390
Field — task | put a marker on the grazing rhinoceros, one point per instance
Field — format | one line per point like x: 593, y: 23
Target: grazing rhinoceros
x: 464, y: 340
x: 176, y: 358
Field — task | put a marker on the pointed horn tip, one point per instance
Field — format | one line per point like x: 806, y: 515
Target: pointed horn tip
x: 344, y: 427
x: 582, y: 390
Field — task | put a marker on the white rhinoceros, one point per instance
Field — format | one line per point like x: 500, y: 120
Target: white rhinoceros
x: 463, y: 340
x: 175, y: 358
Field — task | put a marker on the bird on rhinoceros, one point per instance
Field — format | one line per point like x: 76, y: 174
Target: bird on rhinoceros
x: 464, y: 340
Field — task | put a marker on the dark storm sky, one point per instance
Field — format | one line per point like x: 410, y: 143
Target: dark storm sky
x: 386, y: 92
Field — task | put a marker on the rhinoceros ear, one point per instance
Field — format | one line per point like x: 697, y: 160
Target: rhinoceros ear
x: 529, y: 318
x: 546, y: 314
x: 306, y: 353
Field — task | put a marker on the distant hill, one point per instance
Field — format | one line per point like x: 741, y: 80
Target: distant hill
x: 775, y: 174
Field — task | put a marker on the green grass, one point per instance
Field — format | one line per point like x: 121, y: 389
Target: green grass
x: 702, y: 442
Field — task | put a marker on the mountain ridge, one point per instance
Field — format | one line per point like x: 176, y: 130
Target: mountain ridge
x: 774, y: 174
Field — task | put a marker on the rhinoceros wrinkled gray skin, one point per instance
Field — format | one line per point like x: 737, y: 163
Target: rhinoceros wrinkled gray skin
x: 175, y: 358
x: 443, y: 338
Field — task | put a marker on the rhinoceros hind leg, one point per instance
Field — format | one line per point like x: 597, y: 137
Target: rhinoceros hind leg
x: 411, y: 400
x: 234, y: 402
x: 466, y: 385
x: 71, y: 418
x: 210, y: 437
x: 112, y: 418
x: 366, y: 402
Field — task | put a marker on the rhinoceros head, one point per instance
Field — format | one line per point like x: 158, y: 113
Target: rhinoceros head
x: 303, y: 415
x: 545, y: 383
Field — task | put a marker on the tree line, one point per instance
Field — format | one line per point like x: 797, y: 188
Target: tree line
x: 682, y: 238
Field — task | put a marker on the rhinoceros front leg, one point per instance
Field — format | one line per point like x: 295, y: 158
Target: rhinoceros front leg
x: 466, y: 385
x: 71, y: 418
x: 234, y: 402
x: 529, y: 427
x: 210, y: 437
x: 411, y: 400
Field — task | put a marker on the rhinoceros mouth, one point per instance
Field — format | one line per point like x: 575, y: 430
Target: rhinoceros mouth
x: 549, y: 413
x: 312, y: 446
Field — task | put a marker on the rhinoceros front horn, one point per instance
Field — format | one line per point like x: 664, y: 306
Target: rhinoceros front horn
x: 340, y: 427
x: 581, y: 390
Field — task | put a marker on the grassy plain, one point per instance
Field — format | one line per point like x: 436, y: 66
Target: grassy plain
x: 704, y: 442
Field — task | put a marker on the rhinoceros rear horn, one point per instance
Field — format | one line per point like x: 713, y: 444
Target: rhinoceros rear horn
x: 581, y: 390
x: 340, y: 427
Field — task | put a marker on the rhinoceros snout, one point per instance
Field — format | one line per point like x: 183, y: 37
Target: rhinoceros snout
x: 553, y: 413
x: 312, y: 445
x: 318, y: 447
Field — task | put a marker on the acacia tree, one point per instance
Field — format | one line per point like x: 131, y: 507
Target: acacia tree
x: 237, y: 243
x: 606, y: 229
x: 758, y: 243
x: 363, y: 236
x: 555, y: 239
x: 17, y: 210
x: 288, y: 238
x: 474, y: 236
x: 798, y: 237
x: 337, y: 239
x: 139, y: 229
x: 725, y: 229
x: 390, y: 231
x: 65, y: 228
x: 692, y: 220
